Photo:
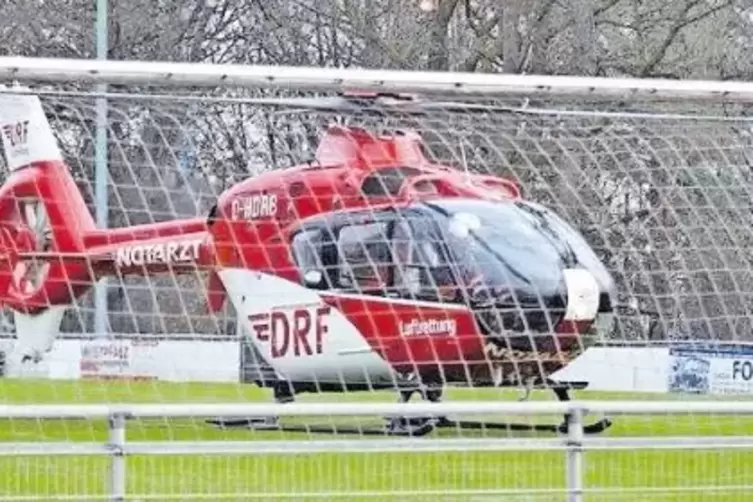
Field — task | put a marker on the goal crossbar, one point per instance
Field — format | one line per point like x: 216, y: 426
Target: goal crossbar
x: 193, y: 410
x: 306, y: 78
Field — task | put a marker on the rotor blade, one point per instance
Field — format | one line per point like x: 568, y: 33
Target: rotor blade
x: 38, y: 222
x: 30, y: 214
x: 332, y: 104
x: 378, y: 105
x: 460, y: 107
x: 19, y: 271
x: 35, y: 216
x: 35, y: 274
x: 41, y: 223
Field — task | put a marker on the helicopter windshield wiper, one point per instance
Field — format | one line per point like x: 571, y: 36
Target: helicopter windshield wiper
x: 568, y: 254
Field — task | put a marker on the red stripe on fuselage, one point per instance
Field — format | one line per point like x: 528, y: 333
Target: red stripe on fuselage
x: 412, y: 335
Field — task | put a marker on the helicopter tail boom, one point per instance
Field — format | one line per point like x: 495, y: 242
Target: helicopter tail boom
x: 51, y: 250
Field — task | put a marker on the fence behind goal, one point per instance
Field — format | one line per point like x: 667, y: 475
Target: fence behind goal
x: 655, y: 175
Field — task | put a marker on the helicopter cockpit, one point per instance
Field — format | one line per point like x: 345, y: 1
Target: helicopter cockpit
x: 485, y: 254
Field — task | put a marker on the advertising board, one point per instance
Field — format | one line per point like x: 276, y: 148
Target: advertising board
x: 108, y: 359
x: 720, y: 369
x: 131, y: 359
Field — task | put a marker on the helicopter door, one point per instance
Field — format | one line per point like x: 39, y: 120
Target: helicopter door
x: 365, y: 258
x: 422, y: 268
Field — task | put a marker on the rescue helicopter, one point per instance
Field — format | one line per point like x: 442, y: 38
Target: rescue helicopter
x: 370, y: 267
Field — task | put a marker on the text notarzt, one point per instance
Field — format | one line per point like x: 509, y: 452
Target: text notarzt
x: 158, y: 254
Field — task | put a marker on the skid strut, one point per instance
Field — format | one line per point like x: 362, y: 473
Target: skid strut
x: 413, y: 426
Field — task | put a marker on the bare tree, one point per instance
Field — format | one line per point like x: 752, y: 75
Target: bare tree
x: 649, y: 38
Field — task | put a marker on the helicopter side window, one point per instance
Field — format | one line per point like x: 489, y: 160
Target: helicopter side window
x: 315, y: 250
x: 365, y: 258
x: 306, y: 247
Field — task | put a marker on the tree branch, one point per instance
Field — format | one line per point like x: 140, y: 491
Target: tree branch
x: 675, y: 30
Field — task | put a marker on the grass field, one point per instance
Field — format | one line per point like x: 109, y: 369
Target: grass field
x: 359, y: 476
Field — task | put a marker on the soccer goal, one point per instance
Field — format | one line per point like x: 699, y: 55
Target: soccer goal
x: 239, y: 270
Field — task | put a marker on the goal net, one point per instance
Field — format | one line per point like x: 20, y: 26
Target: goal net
x: 436, y: 245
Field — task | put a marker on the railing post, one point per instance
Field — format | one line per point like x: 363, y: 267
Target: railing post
x: 574, y: 452
x: 116, y: 444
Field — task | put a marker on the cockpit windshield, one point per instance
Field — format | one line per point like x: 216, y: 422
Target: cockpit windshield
x: 456, y: 250
x: 490, y: 248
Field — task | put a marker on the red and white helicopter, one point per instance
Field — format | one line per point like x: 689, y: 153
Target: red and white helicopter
x: 371, y: 267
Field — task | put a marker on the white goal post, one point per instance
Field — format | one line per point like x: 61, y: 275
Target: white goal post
x: 655, y: 178
x: 305, y: 78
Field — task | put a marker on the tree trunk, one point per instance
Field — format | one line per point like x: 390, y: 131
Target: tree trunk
x: 584, y: 56
x: 439, y: 51
x: 512, y: 41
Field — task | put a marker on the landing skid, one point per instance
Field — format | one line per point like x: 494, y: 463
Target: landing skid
x: 594, y: 428
x: 421, y: 426
x: 413, y: 428
x: 561, y: 390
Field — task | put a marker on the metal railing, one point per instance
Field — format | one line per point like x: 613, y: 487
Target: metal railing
x: 573, y: 444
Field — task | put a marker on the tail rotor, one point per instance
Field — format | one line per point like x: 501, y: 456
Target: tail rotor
x: 29, y: 274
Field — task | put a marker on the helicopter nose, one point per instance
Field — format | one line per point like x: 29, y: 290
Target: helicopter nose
x: 583, y: 295
x: 585, y: 299
x: 534, y: 317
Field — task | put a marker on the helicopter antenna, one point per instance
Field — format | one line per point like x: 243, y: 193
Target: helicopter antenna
x: 464, y: 159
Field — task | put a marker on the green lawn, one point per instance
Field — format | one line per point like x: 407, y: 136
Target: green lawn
x: 394, y: 476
